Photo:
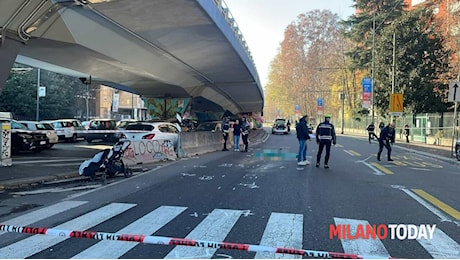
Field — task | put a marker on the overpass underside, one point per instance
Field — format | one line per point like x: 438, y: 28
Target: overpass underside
x: 155, y: 48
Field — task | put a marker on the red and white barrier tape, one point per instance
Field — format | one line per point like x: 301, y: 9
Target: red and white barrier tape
x: 159, y: 240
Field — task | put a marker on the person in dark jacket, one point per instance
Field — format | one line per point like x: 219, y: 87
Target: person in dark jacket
x: 325, y: 136
x: 302, y: 136
x: 371, y: 131
x: 406, y: 132
x: 225, y: 131
x: 245, y: 133
x: 387, y: 136
x: 236, y: 135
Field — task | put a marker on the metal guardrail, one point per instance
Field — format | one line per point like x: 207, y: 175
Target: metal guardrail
x: 223, y: 7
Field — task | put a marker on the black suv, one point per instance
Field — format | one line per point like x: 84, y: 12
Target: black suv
x: 102, y: 130
x: 23, y: 139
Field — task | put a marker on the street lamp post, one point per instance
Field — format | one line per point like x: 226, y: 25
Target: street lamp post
x: 373, y: 60
x: 38, y: 95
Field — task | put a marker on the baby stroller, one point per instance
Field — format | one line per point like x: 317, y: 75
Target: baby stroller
x: 109, y: 162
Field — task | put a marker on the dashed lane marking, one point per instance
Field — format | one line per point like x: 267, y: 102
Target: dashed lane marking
x: 381, y: 168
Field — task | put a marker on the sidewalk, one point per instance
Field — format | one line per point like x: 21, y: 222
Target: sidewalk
x: 24, y: 175
x: 436, y: 151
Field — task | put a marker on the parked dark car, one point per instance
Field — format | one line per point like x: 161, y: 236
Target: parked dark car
x: 102, y: 130
x: 23, y: 139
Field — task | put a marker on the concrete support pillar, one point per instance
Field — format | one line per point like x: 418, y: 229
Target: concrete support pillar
x: 8, y: 51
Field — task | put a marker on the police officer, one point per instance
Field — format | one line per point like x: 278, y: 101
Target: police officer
x: 371, y: 131
x: 245, y: 133
x: 387, y: 136
x: 325, y: 136
x: 225, y: 131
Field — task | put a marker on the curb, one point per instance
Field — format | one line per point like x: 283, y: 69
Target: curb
x: 411, y: 150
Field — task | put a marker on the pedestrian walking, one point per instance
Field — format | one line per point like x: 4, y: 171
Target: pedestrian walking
x: 325, y: 136
x: 245, y: 133
x: 288, y: 124
x: 371, y: 131
x: 225, y: 131
x: 302, y: 136
x: 387, y: 137
x: 236, y: 135
x: 406, y: 132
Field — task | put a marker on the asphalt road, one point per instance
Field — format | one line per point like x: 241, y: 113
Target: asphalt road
x: 261, y: 197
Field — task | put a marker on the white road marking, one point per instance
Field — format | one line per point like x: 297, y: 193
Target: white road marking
x: 43, y: 213
x: 32, y: 245
x: 442, y: 216
x: 56, y: 190
x: 282, y: 230
x: 441, y: 246
x: 146, y: 225
x: 364, y: 247
x: 214, y: 227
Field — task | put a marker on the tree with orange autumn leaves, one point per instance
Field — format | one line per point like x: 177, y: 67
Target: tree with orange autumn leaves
x: 317, y: 60
x: 310, y: 64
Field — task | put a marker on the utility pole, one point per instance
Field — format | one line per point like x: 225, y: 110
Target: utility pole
x: 38, y: 95
x: 394, y: 70
x: 373, y: 60
x: 342, y: 96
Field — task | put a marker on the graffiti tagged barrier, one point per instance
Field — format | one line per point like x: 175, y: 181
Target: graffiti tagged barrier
x: 148, y: 151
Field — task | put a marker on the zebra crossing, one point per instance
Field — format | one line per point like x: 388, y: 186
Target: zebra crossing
x: 283, y: 230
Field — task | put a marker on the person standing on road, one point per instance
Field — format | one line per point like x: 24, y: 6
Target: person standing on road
x: 325, y: 136
x: 387, y: 136
x: 406, y: 132
x: 245, y: 133
x: 371, y: 131
x: 225, y: 131
x: 236, y: 136
x: 302, y: 136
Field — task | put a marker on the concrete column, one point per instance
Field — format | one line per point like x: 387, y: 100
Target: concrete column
x: 8, y: 51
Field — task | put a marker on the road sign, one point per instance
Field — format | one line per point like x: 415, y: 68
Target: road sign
x: 367, y: 92
x: 454, y: 92
x: 319, y: 106
x: 42, y: 91
x: 396, y: 104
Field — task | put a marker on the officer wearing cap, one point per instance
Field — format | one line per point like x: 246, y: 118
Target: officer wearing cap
x: 325, y: 136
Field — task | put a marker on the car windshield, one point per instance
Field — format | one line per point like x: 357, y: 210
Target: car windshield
x: 280, y: 122
x: 16, y: 125
x: 140, y: 127
x: 43, y: 126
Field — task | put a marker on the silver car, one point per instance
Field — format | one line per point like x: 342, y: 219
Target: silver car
x: 44, y: 127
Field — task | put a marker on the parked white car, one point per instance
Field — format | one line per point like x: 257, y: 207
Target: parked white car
x: 68, y: 129
x: 151, y: 131
x: 43, y: 127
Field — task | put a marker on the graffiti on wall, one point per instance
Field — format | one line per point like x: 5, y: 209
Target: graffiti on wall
x: 166, y: 107
x: 147, y: 151
x: 6, y: 141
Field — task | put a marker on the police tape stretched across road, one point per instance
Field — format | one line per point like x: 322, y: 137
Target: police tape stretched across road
x: 159, y: 240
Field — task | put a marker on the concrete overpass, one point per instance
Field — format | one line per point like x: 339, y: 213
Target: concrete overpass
x: 155, y: 48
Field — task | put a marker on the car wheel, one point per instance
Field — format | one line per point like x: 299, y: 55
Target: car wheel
x: 457, y: 154
x: 89, y: 140
x: 74, y: 138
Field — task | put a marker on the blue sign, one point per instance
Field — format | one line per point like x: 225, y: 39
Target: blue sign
x: 367, y: 92
x: 297, y: 108
x: 319, y: 102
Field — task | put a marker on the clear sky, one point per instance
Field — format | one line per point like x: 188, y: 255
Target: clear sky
x: 262, y: 23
